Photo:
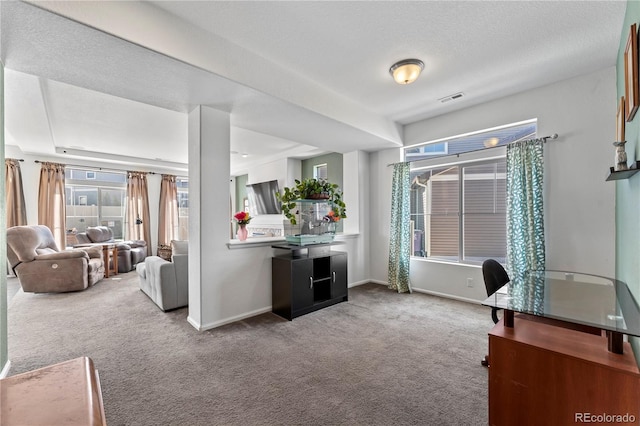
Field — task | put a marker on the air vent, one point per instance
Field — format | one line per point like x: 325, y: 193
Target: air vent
x: 451, y: 97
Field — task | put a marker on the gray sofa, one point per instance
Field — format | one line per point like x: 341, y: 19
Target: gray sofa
x: 167, y: 283
x: 42, y: 268
x: 130, y: 253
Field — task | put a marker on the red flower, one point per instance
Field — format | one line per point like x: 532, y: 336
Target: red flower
x: 242, y: 217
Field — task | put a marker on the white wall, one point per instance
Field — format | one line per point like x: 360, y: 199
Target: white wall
x: 356, y: 186
x: 579, y: 204
x: 230, y: 282
x: 284, y: 171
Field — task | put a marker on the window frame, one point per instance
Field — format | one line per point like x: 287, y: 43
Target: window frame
x: 183, y: 233
x: 318, y: 167
x: 475, y: 157
x: 99, y: 186
x: 461, y: 206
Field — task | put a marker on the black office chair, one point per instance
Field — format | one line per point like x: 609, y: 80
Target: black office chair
x: 494, y: 277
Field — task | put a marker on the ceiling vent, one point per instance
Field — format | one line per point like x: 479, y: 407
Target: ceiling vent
x: 451, y: 97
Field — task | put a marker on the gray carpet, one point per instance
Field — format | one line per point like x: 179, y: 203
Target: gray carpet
x: 380, y: 359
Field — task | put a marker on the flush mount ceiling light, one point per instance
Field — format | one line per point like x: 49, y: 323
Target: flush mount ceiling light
x: 406, y: 71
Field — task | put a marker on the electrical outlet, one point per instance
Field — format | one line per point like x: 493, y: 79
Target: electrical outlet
x: 469, y: 282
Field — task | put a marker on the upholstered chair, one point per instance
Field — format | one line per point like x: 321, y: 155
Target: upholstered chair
x: 130, y: 253
x: 167, y: 283
x: 42, y: 268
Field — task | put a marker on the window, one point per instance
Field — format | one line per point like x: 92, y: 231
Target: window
x: 320, y: 171
x: 458, y: 205
x: 96, y: 198
x: 183, y: 208
x: 429, y: 150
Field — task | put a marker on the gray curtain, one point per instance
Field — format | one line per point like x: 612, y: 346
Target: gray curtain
x: 400, y: 230
x: 525, y: 218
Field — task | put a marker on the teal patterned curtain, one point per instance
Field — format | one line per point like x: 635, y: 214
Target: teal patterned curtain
x: 400, y: 232
x: 525, y: 216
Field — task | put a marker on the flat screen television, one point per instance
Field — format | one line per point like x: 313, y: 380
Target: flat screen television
x: 262, y: 198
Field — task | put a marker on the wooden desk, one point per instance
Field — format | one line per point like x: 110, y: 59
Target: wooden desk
x: 65, y: 394
x: 543, y: 374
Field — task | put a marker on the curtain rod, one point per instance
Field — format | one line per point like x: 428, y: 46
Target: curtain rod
x: 104, y: 168
x: 544, y: 140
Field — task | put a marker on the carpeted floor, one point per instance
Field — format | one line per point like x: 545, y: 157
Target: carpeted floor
x: 380, y: 359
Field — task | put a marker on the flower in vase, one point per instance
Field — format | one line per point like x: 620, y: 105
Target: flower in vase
x: 242, y: 218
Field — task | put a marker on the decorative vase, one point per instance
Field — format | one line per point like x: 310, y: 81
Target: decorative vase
x: 242, y: 232
x: 621, y: 156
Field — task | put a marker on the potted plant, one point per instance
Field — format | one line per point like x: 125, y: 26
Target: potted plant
x: 313, y: 189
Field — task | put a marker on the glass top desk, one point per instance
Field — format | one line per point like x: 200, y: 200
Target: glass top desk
x: 571, y: 297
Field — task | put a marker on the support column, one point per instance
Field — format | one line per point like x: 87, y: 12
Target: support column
x: 209, y: 209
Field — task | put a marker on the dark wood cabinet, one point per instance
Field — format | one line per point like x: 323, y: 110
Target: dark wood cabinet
x: 305, y: 283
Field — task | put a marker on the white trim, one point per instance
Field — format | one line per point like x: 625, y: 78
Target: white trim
x: 357, y: 283
x: 349, y: 236
x: 473, y: 157
x: 5, y: 371
x: 193, y: 323
x: 220, y: 323
x: 447, y: 296
x: 228, y: 320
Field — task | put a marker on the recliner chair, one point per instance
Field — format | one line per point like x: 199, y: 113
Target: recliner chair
x: 42, y: 268
x: 130, y: 253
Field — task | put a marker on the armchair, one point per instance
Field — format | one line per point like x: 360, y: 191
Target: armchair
x: 130, y: 253
x: 167, y: 283
x: 41, y: 267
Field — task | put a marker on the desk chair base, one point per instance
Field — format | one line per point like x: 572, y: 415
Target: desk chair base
x: 485, y: 361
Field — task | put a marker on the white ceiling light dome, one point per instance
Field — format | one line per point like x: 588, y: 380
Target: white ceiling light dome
x: 406, y: 71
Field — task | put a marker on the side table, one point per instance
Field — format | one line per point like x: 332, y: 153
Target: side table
x: 110, y: 258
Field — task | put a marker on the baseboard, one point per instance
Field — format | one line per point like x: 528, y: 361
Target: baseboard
x: 203, y: 327
x: 5, y: 371
x: 357, y: 283
x: 446, y: 296
x: 195, y: 324
x: 209, y: 326
x: 433, y: 293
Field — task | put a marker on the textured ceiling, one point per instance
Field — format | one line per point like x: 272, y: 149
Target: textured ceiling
x: 298, y: 78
